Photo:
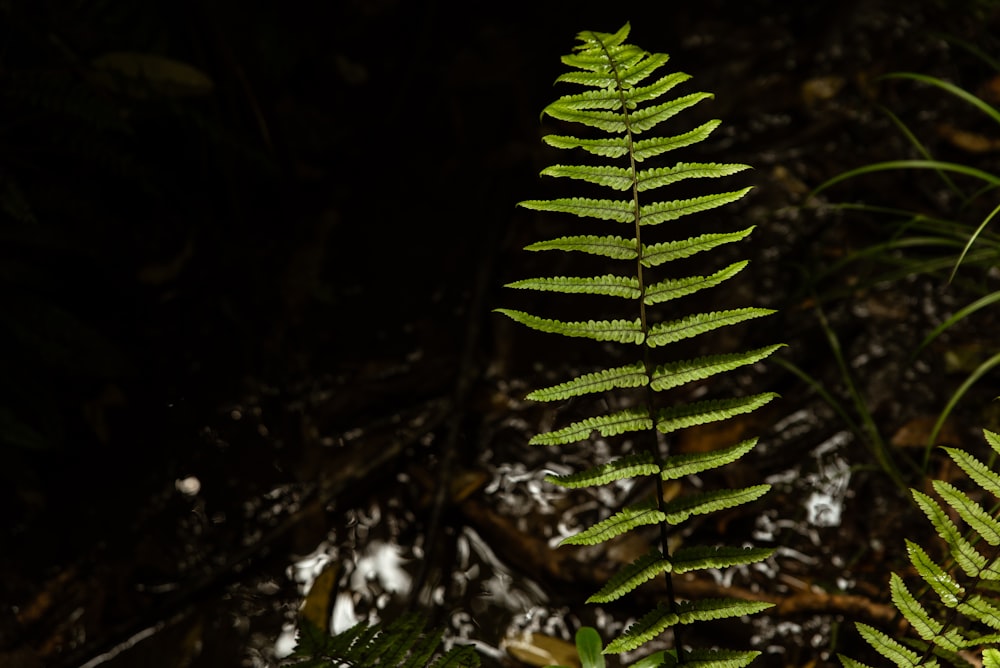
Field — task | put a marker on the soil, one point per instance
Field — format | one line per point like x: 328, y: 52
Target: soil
x: 301, y: 385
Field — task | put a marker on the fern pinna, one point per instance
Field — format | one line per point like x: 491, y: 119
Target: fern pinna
x: 623, y: 100
x: 962, y: 626
x: 402, y: 643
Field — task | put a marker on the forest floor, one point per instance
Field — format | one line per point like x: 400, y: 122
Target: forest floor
x: 341, y: 412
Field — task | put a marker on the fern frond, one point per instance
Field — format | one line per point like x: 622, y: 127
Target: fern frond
x: 991, y: 658
x: 625, y: 520
x: 679, y: 466
x: 609, y: 121
x: 712, y: 410
x: 642, y: 69
x: 681, y: 287
x: 700, y: 323
x: 608, y: 285
x: 622, y: 211
x: 658, y: 177
x: 970, y: 511
x: 621, y: 178
x: 608, y: 147
x: 402, y: 643
x: 618, y: 178
x: 674, y: 374
x: 699, y: 557
x: 718, y: 658
x: 632, y: 419
x: 650, y: 148
x: 657, y: 89
x: 650, y: 625
x: 616, y: 248
x: 926, y: 627
x: 891, y: 649
x: 630, y: 375
x: 982, y: 610
x: 649, y: 117
x: 946, y: 587
x: 641, y: 570
x: 965, y: 554
x: 680, y: 509
x: 657, y: 254
x: 622, y: 331
x: 979, y: 472
x: 848, y: 662
x: 627, y: 95
x: 708, y: 609
x: 631, y: 466
x: 661, y: 212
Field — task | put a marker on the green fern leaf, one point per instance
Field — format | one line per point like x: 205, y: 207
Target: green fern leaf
x: 680, y: 509
x: 641, y: 570
x: 609, y: 121
x: 675, y: 374
x: 700, y: 557
x: 976, y: 470
x: 680, y: 466
x: 660, y: 212
x: 993, y: 439
x: 974, y: 514
x: 622, y: 211
x: 625, y: 520
x: 700, y: 323
x: 891, y: 649
x: 718, y: 658
x: 617, y: 248
x: 650, y: 148
x: 631, y: 466
x: 632, y: 419
x: 622, y: 331
x: 708, y: 609
x: 657, y: 254
x: 945, y: 586
x: 657, y: 89
x: 621, y: 101
x: 681, y: 287
x: 991, y: 658
x: 649, y: 117
x: 712, y: 410
x: 630, y: 375
x: 609, y: 40
x: 966, y: 556
x: 618, y: 178
x: 609, y: 147
x: 848, y: 662
x: 601, y: 98
x: 926, y: 627
x: 608, y: 285
x: 982, y: 610
x: 649, y: 626
x: 648, y: 179
x: 642, y: 69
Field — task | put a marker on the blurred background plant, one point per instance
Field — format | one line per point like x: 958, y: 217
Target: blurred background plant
x: 943, y: 231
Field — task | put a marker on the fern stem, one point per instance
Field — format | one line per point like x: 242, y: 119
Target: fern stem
x: 658, y: 446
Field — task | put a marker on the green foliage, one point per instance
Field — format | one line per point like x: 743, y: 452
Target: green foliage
x: 963, y: 613
x: 627, y: 96
x: 921, y: 242
x: 403, y: 643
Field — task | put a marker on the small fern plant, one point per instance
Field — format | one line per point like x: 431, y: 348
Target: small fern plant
x: 623, y: 100
x: 961, y: 623
x: 401, y: 643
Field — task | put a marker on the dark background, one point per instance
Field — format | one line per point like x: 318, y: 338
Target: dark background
x: 318, y: 235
